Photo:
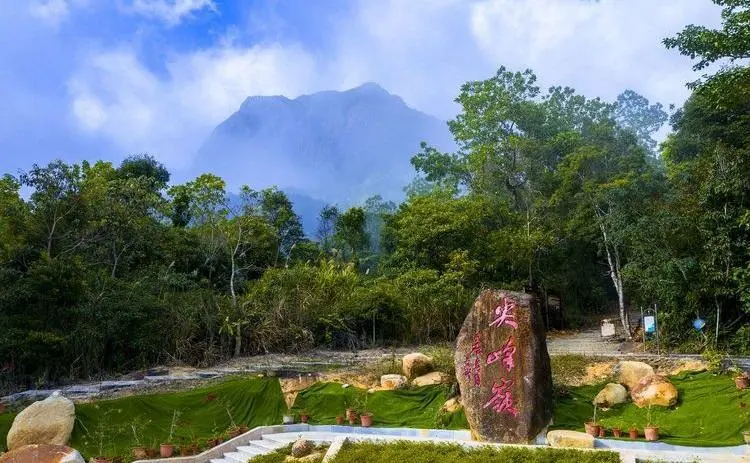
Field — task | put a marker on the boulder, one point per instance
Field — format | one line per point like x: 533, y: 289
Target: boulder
x: 49, y: 421
x: 654, y: 390
x: 632, y: 372
x: 42, y: 453
x: 570, y: 439
x: 390, y: 382
x: 302, y: 448
x: 436, y: 377
x: 452, y: 405
x: 503, y: 368
x: 416, y: 364
x: 612, y: 394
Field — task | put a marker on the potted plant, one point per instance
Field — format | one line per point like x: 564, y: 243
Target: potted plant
x: 741, y: 380
x: 139, y: 451
x: 184, y: 448
x: 351, y: 412
x: 340, y: 420
x: 592, y: 427
x: 365, y: 418
x: 602, y: 431
x: 304, y: 416
x: 617, y: 432
x: 633, y: 432
x: 650, y: 431
x: 167, y: 449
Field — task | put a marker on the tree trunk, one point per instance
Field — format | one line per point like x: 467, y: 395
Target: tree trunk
x: 613, y: 259
x: 237, y: 342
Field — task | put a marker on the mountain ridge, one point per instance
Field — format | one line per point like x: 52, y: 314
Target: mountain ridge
x: 337, y: 147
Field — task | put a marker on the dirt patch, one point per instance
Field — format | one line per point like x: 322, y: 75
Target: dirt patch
x: 598, y: 372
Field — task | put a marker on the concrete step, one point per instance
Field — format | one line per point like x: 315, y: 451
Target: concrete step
x: 221, y: 460
x: 266, y: 444
x: 253, y: 449
x: 239, y: 457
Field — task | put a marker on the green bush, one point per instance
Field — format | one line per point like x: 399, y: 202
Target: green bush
x: 440, y: 453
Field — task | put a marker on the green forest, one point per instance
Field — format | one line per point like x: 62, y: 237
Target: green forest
x: 108, y: 268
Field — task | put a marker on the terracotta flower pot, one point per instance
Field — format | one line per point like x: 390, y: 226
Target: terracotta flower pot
x: 152, y: 453
x: 366, y: 420
x: 304, y: 418
x: 746, y: 436
x: 351, y: 414
x: 166, y: 450
x: 742, y: 382
x: 602, y: 431
x: 651, y: 433
x: 140, y: 453
x: 592, y: 428
x: 339, y: 420
x: 2, y: 408
x: 633, y: 432
x: 102, y: 460
x: 184, y: 450
x: 617, y: 432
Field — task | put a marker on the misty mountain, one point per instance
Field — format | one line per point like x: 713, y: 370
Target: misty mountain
x: 327, y: 147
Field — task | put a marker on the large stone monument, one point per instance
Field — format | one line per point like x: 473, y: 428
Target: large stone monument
x: 503, y: 368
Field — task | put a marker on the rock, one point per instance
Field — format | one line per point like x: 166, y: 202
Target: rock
x: 49, y: 421
x: 632, y: 372
x: 436, y: 377
x: 654, y: 390
x: 42, y: 453
x: 612, y: 394
x: 570, y: 439
x: 503, y: 368
x: 390, y: 382
x: 416, y: 364
x: 452, y: 405
x: 302, y: 448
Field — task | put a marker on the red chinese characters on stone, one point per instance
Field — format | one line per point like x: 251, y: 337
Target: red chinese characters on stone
x: 505, y: 314
x: 502, y: 398
x: 506, y: 355
x: 472, y: 369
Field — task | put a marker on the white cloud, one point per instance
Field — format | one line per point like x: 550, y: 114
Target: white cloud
x: 599, y: 48
x: 172, y: 12
x: 421, y: 50
x: 116, y: 95
x: 52, y: 12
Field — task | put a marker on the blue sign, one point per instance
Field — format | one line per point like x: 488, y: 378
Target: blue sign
x: 649, y: 323
x: 698, y: 324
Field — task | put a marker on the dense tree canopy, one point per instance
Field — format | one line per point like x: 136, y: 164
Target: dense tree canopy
x: 110, y: 268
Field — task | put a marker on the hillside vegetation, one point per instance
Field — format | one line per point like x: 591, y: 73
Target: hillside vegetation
x: 109, y: 268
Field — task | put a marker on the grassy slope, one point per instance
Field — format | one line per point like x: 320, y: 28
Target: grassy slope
x: 415, y: 408
x: 434, y: 453
x: 203, y: 414
x: 708, y: 412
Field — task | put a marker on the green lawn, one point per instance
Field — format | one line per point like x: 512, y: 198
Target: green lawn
x: 414, y: 408
x: 435, y: 453
x: 202, y: 415
x: 708, y: 412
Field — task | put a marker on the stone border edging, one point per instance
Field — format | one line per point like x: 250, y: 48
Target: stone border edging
x: 627, y: 455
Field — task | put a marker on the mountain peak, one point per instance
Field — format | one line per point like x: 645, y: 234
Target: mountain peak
x: 370, y: 87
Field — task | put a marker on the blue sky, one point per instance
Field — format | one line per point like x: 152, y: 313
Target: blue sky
x: 93, y: 79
